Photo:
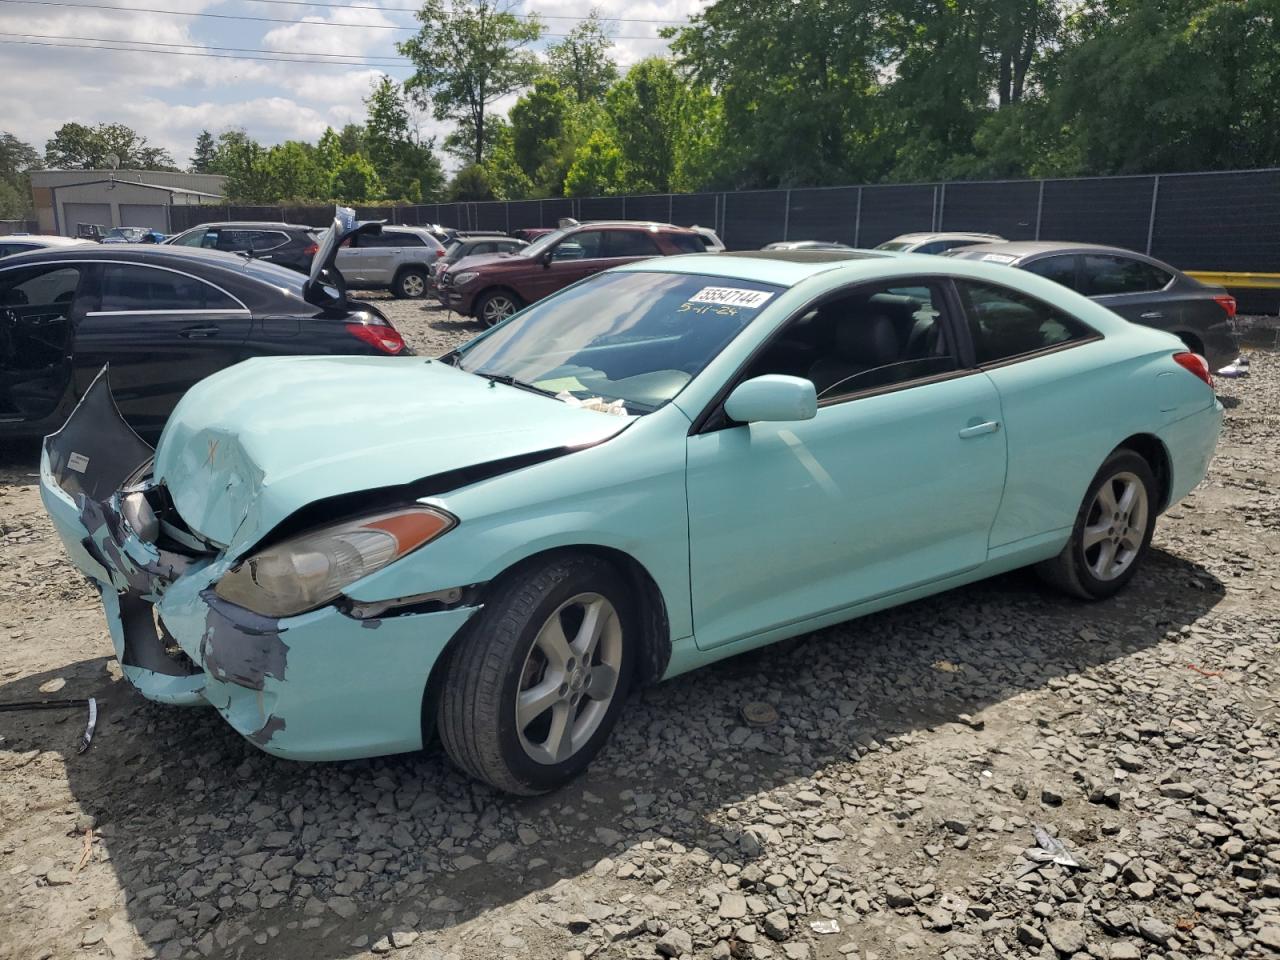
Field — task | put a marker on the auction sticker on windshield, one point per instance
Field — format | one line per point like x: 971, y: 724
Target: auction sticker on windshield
x: 732, y: 297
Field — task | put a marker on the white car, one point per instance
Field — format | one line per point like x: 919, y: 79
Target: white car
x: 936, y: 242
x: 398, y: 258
x: 26, y: 242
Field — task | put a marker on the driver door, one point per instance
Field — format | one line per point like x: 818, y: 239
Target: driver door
x: 39, y: 308
x: 573, y: 258
x: 895, y: 482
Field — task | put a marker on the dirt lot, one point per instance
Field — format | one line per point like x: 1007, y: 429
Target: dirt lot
x: 887, y: 812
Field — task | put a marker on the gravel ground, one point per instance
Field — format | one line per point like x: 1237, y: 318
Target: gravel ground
x: 888, y: 811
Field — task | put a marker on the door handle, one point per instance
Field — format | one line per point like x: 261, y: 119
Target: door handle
x: 978, y: 429
x: 198, y: 333
x: 1153, y: 315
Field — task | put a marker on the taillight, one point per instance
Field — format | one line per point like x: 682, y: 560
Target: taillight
x: 1196, y: 364
x: 311, y: 249
x: 1227, y: 302
x: 440, y: 252
x: 383, y: 336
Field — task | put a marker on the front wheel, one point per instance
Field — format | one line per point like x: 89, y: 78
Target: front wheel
x: 537, y: 684
x: 411, y: 284
x: 496, y: 306
x: 1112, y: 532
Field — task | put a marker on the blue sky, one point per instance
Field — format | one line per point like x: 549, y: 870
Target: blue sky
x: 169, y: 98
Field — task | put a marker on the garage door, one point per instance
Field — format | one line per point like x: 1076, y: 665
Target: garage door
x: 74, y: 213
x: 144, y: 215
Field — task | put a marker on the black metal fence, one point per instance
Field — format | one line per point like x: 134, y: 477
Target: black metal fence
x: 1196, y: 221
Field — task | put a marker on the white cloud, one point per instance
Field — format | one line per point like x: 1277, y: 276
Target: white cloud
x: 169, y: 98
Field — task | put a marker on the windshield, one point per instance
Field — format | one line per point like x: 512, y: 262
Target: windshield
x: 542, y: 243
x: 638, y: 337
x: 894, y: 245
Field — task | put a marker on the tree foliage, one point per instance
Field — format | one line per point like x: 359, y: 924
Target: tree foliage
x: 407, y: 167
x: 203, y: 156
x: 355, y: 179
x: 580, y: 62
x: 75, y: 146
x: 468, y: 55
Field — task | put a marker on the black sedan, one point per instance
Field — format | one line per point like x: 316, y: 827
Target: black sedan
x: 163, y: 317
x: 1139, y: 288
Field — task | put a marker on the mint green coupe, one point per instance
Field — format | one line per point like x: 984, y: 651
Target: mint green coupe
x: 661, y: 466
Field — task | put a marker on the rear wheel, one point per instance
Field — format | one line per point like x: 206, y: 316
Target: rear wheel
x: 537, y: 684
x: 1112, y: 532
x: 496, y: 305
x: 410, y: 283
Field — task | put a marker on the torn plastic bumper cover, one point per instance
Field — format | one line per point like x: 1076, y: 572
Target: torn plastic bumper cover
x: 320, y: 685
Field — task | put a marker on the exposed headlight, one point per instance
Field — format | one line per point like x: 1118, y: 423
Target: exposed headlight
x: 462, y: 279
x: 304, y: 572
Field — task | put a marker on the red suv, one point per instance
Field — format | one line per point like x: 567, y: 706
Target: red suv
x: 493, y: 287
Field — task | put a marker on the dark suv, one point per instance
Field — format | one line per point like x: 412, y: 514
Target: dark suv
x: 287, y: 244
x: 492, y: 288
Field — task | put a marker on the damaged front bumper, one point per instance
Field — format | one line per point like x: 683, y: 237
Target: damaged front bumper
x: 324, y: 685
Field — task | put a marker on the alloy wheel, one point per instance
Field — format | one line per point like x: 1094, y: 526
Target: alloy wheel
x: 497, y: 309
x: 1116, y: 526
x: 569, y: 678
x: 413, y: 285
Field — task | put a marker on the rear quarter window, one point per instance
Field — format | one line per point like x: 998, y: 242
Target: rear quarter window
x: 1007, y: 324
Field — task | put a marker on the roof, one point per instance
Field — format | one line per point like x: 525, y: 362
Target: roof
x: 650, y: 224
x: 784, y: 268
x: 942, y: 235
x: 1026, y: 248
x: 136, y: 183
x: 254, y: 224
x: 140, y: 252
x: 44, y: 240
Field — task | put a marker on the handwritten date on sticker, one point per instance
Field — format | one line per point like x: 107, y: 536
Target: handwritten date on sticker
x: 732, y: 297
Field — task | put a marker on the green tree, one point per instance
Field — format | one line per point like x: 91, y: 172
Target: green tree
x: 75, y: 146
x: 471, y: 183
x: 17, y: 160
x: 355, y: 179
x: 202, y: 158
x: 799, y: 85
x: 538, y: 125
x: 291, y: 172
x: 1161, y: 85
x: 241, y: 159
x: 507, y: 179
x: 645, y: 108
x: 597, y: 168
x: 408, y: 168
x: 467, y: 56
x: 581, y: 62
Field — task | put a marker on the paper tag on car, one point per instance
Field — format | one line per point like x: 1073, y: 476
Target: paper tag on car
x: 78, y: 462
x: 999, y: 258
x: 732, y: 297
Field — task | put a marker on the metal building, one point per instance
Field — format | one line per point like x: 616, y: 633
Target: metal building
x: 64, y: 199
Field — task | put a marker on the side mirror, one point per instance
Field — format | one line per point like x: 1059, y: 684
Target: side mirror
x: 773, y: 397
x: 547, y: 256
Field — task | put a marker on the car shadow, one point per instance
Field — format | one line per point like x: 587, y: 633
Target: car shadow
x: 232, y: 844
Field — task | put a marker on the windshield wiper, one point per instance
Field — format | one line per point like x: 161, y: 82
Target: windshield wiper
x: 510, y: 381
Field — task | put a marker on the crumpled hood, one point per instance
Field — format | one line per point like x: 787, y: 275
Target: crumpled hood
x: 250, y: 445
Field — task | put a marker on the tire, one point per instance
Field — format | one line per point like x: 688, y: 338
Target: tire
x: 411, y: 283
x: 1082, y: 569
x: 494, y: 306
x: 504, y: 655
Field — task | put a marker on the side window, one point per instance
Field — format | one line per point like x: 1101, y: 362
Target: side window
x: 210, y: 240
x: 269, y: 239
x: 1058, y: 269
x: 583, y: 245
x: 875, y: 336
x: 688, y: 243
x: 482, y: 248
x: 242, y: 240
x: 127, y: 288
x: 937, y: 246
x: 1106, y: 275
x: 630, y: 243
x: 192, y: 238
x: 1007, y: 324
x: 40, y: 286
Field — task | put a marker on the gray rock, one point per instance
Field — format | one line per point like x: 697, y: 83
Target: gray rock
x: 1156, y: 930
x: 777, y: 926
x: 1269, y: 937
x: 733, y: 906
x: 675, y: 943
x: 1066, y: 936
x: 403, y: 938
x: 1030, y: 936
